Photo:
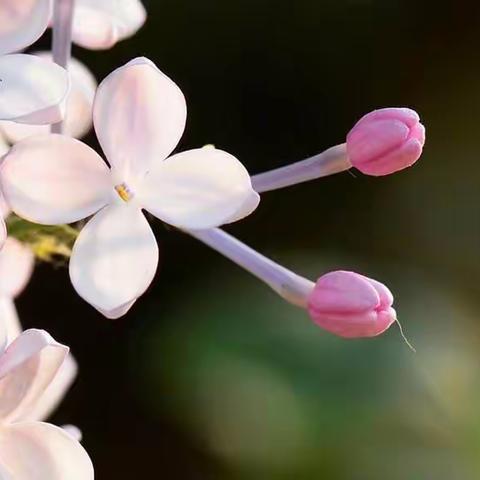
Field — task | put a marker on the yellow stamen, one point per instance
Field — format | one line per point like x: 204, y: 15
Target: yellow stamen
x: 123, y: 192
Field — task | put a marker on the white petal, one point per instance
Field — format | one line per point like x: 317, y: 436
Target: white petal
x: 248, y: 206
x: 22, y: 22
x: 4, y: 212
x: 197, y: 189
x: 3, y: 230
x: 33, y: 89
x: 4, y: 146
x: 53, y: 395
x: 53, y: 179
x: 27, y: 367
x: 114, y: 258
x: 10, y: 326
x: 4, y: 207
x: 100, y: 24
x: 73, y: 431
x: 16, y: 267
x: 57, y: 389
x: 79, y: 109
x: 139, y: 116
x: 4, y: 473
x: 118, y: 312
x: 40, y: 451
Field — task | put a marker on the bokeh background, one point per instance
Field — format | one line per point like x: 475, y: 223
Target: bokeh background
x: 212, y: 376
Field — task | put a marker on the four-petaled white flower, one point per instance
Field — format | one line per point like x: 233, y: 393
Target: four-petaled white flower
x: 139, y: 117
x: 32, y: 89
x: 29, y: 448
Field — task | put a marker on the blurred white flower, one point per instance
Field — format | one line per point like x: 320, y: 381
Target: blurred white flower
x: 33, y: 89
x: 139, y: 117
x: 30, y: 449
x: 79, y: 105
x: 16, y: 267
x: 100, y: 24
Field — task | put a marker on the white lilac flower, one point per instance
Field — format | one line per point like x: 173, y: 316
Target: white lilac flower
x: 139, y: 117
x: 32, y: 89
x: 29, y: 448
x: 79, y: 105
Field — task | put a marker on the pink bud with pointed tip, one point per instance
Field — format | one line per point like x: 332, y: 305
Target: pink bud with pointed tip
x: 350, y: 305
x: 386, y: 141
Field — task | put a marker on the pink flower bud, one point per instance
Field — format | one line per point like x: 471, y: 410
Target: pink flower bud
x: 351, y: 305
x: 386, y: 141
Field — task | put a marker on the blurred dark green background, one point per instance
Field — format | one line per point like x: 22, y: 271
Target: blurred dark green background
x: 211, y: 376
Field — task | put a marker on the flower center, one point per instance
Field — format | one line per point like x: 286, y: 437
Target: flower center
x: 124, y: 192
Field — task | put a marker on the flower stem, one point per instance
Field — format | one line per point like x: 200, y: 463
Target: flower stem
x: 292, y: 287
x: 62, y: 39
x: 333, y: 160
